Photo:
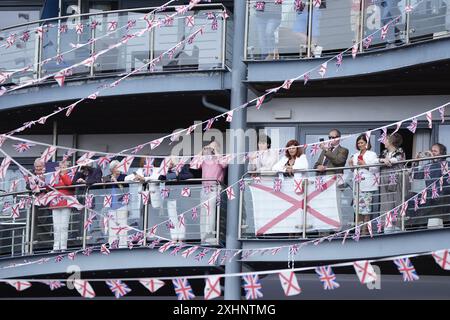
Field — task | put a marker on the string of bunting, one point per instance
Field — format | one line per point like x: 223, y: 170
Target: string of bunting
x: 251, y: 283
x: 390, y: 217
x: 61, y: 75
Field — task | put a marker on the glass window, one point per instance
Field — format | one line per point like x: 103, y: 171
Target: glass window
x: 13, y: 16
x: 444, y: 135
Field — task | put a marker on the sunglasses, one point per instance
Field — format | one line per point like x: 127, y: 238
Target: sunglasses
x: 330, y: 137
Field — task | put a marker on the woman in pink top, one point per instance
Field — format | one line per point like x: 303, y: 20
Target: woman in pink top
x: 213, y: 171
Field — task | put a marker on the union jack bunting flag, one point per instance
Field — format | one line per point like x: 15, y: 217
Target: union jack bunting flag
x: 107, y: 201
x: 339, y: 59
x: 87, y: 251
x: 354, y: 50
x: 59, y: 258
x: 166, y: 246
x: 317, y: 3
x: 398, y: 125
x: 126, y: 198
x: 25, y: 36
x: 427, y: 172
x: 408, y: 8
x: 365, y: 271
x: 379, y: 225
x: 103, y: 161
x: 85, y: 158
x: 413, y: 125
x: 186, y: 253
x: 406, y: 268
x: 384, y: 31
x: 79, y: 28
x: 183, y: 289
x: 315, y: 148
x: 152, y: 285
x: 423, y: 199
x: 442, y: 113
x: 190, y: 21
x: 230, y: 193
x: 289, y: 283
x: 429, y: 117
x: 53, y: 285
x: 299, y: 5
x: 201, y: 255
x: 104, y: 249
x: 444, y: 167
x: 287, y: 84
x: 241, y: 185
x: 383, y: 136
x: 148, y: 166
x: 252, y: 287
x: 22, y: 147
x: 260, y: 5
x: 357, y: 233
x: 209, y: 124
x: 19, y: 285
x: 177, y: 249
x: 94, y: 24
x: 277, y: 184
x: 212, y: 287
x: 4, y: 168
x: 89, y: 200
x: 71, y: 255
x: 358, y: 177
x: 393, y: 179
x: 229, y: 116
x: 404, y: 209
x: 442, y: 258
x: 416, y: 203
x: 11, y: 40
x: 165, y: 193
x: 434, y: 191
x: 323, y: 69
x: 327, y: 277
x: 112, y: 25
x: 213, y: 259
x: 89, y: 221
x: 259, y: 102
x: 194, y: 214
x: 48, y: 153
x: 320, y: 185
x: 130, y: 24
x: 367, y: 42
x: 118, y: 287
x: 126, y: 163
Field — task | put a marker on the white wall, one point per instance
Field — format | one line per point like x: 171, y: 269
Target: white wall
x: 346, y: 109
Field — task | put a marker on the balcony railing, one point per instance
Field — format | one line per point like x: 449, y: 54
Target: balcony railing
x: 298, y: 29
x: 205, y: 53
x: 332, y: 205
x: 33, y: 231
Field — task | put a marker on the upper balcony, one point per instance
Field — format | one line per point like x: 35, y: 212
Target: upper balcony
x: 39, y: 50
x: 303, y: 36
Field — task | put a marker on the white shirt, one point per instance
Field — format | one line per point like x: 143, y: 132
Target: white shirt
x: 301, y: 163
x: 369, y: 182
x: 264, y: 160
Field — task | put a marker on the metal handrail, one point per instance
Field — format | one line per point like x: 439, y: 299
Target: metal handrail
x: 103, y: 13
x: 412, y: 161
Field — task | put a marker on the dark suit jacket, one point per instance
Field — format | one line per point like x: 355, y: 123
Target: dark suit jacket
x: 337, y: 158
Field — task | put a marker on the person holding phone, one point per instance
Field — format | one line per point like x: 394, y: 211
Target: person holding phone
x: 368, y: 186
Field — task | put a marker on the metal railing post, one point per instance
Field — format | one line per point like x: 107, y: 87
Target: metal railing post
x: 305, y: 205
x: 33, y: 219
x: 27, y: 231
x: 408, y: 23
x: 91, y: 72
x: 362, y: 17
x: 247, y: 19
x: 218, y: 206
x: 241, y: 203
x: 404, y: 172
x: 310, y: 12
x: 224, y: 40
x: 144, y: 228
x: 84, y: 240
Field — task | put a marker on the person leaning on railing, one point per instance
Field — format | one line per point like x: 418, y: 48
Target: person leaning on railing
x: 118, y: 212
x: 390, y: 192
x: 265, y: 158
x: 293, y: 159
x: 434, y: 167
x: 60, y: 211
x: 368, y: 185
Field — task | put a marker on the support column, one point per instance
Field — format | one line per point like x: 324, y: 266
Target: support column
x: 236, y: 170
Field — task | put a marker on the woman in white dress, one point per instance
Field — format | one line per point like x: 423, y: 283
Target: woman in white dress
x: 368, y: 185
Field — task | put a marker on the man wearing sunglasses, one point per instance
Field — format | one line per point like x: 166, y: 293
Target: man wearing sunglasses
x: 333, y: 155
